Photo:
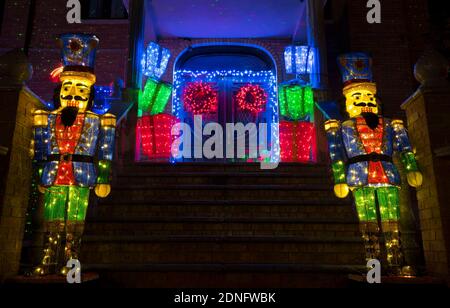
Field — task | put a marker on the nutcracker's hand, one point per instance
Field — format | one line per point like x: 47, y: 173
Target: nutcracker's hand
x: 341, y: 190
x: 102, y: 190
x: 414, y: 178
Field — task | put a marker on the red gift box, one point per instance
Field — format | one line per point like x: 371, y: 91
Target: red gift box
x: 154, y: 132
x: 297, y: 142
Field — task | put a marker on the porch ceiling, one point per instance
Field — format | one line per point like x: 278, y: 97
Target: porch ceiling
x: 228, y: 18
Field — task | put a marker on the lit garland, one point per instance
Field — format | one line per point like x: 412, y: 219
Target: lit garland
x: 270, y: 115
x: 296, y: 101
x: 251, y: 98
x: 297, y: 142
x: 200, y: 98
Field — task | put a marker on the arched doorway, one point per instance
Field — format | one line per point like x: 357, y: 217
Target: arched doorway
x: 228, y: 84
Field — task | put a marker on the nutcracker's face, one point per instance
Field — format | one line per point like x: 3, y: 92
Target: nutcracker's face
x: 361, y: 99
x: 75, y: 92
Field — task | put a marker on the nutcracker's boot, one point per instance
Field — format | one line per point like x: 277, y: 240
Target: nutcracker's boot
x: 394, y: 252
x: 370, y: 234
x: 52, y: 249
x: 72, y: 244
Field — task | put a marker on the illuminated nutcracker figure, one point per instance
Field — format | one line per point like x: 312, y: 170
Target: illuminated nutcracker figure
x: 74, y: 148
x: 361, y: 150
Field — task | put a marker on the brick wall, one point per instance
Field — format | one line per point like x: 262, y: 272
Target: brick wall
x: 14, y: 24
x: 16, y: 120
x: 395, y: 45
x: 274, y: 46
x: 427, y: 114
x: 50, y: 21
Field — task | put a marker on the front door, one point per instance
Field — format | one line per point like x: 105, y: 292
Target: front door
x: 245, y: 99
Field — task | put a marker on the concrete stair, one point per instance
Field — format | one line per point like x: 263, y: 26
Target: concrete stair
x: 215, y: 221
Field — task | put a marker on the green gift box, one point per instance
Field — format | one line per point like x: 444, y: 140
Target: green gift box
x: 153, y: 100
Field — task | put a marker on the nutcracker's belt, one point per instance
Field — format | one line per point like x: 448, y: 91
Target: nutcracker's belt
x: 369, y: 157
x: 70, y: 158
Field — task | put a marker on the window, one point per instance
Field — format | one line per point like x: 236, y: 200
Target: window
x: 103, y: 9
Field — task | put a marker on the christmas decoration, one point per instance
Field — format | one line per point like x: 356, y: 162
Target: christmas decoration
x: 155, y: 133
x: 269, y: 116
x: 361, y: 152
x: 54, y: 75
x: 297, y: 142
x: 65, y: 143
x: 155, y: 60
x: 200, y: 98
x: 296, y: 101
x: 299, y: 60
x: 102, y: 97
x: 251, y: 98
x: 154, y: 98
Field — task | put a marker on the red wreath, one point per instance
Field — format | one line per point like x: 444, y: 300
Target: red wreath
x: 200, y: 98
x: 251, y: 98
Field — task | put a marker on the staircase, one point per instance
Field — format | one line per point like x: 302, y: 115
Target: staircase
x: 219, y: 225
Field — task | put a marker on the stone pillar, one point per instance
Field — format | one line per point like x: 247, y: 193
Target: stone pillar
x: 136, y: 44
x: 428, y: 113
x: 316, y: 38
x: 137, y: 12
x: 17, y: 103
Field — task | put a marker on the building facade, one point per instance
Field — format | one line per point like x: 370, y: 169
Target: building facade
x: 222, y: 222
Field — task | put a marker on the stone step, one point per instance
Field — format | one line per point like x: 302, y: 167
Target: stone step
x: 229, y: 178
x: 209, y: 226
x: 220, y: 217
x: 224, y: 210
x: 221, y: 249
x: 222, y: 187
x: 221, y: 192
x: 236, y: 168
x: 238, y: 275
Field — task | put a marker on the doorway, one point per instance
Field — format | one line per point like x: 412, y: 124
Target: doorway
x: 228, y: 84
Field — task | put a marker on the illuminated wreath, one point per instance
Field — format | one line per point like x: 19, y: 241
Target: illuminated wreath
x: 251, y: 98
x: 200, y: 98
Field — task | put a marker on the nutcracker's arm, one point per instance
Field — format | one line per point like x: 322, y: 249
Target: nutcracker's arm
x: 338, y: 157
x: 336, y: 148
x: 105, y: 154
x: 39, y: 142
x: 403, y: 146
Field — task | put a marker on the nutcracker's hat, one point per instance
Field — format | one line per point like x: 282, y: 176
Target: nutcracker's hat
x: 78, y: 55
x: 356, y: 71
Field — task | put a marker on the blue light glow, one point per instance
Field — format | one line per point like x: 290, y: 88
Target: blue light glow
x: 299, y: 60
x: 155, y: 60
x: 270, y: 115
x: 102, y: 99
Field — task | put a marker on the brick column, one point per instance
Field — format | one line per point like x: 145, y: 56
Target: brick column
x: 429, y: 126
x: 136, y: 43
x: 17, y: 103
